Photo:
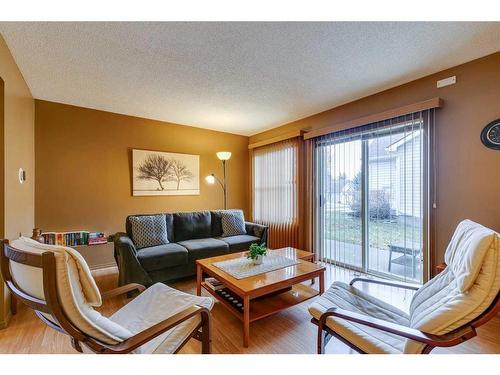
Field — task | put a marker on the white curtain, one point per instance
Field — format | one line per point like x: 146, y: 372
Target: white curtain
x: 275, y: 191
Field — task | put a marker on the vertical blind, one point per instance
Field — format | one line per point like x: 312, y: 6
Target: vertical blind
x: 371, y: 188
x: 275, y: 191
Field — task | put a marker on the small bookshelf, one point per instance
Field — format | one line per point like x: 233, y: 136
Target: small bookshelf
x: 75, y: 238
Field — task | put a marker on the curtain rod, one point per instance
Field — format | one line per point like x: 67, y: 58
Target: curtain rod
x: 282, y: 137
x: 365, y: 120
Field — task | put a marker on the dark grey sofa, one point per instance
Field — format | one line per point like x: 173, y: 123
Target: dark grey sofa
x: 192, y: 236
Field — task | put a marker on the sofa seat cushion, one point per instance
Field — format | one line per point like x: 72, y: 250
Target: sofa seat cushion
x: 205, y: 248
x: 368, y: 339
x: 164, y: 256
x: 240, y: 243
x: 154, y: 305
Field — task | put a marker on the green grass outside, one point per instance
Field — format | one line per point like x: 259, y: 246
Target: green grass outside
x: 340, y: 226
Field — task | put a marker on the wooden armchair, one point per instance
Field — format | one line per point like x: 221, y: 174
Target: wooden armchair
x: 56, y: 283
x: 444, y: 312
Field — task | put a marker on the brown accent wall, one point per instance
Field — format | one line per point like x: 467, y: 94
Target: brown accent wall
x: 468, y: 180
x: 83, y: 161
x: 2, y: 160
x: 4, y: 294
x: 17, y: 148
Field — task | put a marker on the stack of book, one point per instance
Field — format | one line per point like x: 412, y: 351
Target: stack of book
x: 96, y: 238
x: 74, y: 238
x: 214, y: 284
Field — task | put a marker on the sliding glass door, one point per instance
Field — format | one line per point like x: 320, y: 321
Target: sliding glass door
x: 340, y: 231
x: 370, y: 199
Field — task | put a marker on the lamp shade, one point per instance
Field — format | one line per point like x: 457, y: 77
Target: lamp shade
x: 224, y: 155
x: 210, y: 179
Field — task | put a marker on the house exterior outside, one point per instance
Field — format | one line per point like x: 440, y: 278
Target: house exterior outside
x: 395, y: 166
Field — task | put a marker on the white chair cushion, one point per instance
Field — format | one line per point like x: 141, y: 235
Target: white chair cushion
x: 368, y: 339
x: 76, y: 288
x: 154, y: 305
x: 89, y: 287
x: 440, y: 306
x: 459, y: 294
x: 466, y: 251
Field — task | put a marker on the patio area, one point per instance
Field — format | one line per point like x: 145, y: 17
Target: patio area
x: 394, y: 248
x: 350, y: 254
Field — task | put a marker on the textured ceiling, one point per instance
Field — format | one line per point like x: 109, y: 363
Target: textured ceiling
x: 236, y: 77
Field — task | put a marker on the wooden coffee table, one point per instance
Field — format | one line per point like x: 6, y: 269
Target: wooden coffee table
x: 265, y: 294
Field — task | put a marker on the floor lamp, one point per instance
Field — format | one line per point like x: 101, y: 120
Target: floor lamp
x: 223, y: 156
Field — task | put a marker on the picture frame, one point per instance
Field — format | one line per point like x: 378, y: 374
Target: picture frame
x: 158, y: 173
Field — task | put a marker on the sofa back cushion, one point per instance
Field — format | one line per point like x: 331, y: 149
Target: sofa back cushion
x: 233, y: 223
x: 217, y: 230
x: 169, y: 220
x: 149, y: 230
x: 192, y: 225
x: 216, y: 223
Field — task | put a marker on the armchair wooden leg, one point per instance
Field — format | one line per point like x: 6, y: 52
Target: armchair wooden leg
x: 322, y: 337
x: 199, y: 279
x: 76, y: 345
x: 205, y: 334
x: 13, y: 304
x: 427, y: 349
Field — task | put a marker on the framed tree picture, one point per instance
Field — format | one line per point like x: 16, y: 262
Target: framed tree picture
x: 165, y: 173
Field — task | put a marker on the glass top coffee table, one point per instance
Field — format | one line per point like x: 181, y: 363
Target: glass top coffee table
x: 256, y: 297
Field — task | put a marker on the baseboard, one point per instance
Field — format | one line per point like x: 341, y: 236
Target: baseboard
x: 101, y: 266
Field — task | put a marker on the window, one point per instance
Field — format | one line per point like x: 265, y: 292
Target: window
x: 275, y: 191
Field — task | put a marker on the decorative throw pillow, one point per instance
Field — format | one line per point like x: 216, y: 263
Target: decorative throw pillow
x: 149, y: 230
x: 233, y: 223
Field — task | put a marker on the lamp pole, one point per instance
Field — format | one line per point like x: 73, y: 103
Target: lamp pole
x: 224, y: 186
x: 223, y: 156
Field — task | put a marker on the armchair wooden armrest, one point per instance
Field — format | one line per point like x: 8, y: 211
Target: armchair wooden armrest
x: 449, y: 339
x: 383, y: 282
x: 122, y: 290
x: 148, y: 334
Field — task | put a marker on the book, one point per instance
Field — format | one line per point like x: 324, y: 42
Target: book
x: 97, y: 241
x: 214, y: 284
x: 73, y: 238
x: 97, y: 238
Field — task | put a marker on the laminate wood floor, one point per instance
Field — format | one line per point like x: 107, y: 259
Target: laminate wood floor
x: 288, y: 332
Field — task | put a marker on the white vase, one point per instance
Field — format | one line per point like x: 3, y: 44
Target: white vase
x: 259, y: 260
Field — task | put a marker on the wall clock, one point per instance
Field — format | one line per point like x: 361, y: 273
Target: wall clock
x: 490, y: 136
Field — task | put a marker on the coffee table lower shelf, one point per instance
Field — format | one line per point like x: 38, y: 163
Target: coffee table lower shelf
x: 267, y: 305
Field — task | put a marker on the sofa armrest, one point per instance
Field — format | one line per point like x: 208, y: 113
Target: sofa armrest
x: 257, y: 230
x: 130, y: 269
